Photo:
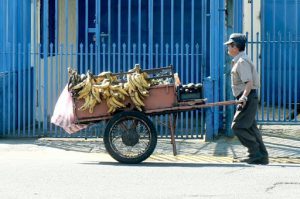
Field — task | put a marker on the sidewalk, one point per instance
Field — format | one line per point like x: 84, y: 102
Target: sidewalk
x: 282, y: 142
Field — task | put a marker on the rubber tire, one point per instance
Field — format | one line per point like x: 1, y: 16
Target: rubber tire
x: 153, y: 135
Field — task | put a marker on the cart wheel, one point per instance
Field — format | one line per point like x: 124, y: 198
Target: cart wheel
x: 130, y: 137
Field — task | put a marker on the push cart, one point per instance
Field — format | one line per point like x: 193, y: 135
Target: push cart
x: 130, y: 136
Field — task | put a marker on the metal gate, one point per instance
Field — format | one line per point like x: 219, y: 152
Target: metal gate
x: 274, y: 48
x: 41, y: 38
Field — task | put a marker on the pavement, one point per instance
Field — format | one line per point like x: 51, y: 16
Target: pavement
x: 282, y: 142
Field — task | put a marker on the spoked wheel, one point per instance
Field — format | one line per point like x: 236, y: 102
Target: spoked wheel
x: 130, y: 137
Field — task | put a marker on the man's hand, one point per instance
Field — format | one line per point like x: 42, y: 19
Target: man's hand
x: 242, y: 102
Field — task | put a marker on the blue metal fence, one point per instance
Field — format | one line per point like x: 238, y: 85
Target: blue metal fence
x: 275, y: 51
x: 98, y: 36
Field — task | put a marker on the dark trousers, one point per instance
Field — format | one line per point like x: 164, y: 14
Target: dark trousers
x: 245, y: 128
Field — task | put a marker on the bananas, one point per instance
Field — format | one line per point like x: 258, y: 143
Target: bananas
x: 137, y: 87
x: 106, y: 86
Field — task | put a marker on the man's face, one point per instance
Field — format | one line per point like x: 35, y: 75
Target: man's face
x: 232, y: 50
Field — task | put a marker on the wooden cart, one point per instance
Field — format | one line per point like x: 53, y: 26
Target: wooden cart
x: 130, y: 136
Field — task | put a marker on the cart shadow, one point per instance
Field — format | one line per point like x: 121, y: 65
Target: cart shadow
x: 189, y: 165
x: 167, y: 164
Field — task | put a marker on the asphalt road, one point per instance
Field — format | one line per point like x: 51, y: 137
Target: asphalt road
x: 45, y: 172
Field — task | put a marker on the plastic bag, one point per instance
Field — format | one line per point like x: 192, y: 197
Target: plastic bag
x: 63, y: 114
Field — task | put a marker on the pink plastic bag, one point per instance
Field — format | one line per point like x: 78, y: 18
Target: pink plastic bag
x: 63, y: 114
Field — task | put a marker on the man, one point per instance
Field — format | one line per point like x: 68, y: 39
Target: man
x: 244, y: 82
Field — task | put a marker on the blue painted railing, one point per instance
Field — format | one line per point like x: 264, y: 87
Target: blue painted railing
x: 34, y: 72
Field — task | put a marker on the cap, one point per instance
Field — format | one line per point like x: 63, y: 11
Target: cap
x: 236, y: 38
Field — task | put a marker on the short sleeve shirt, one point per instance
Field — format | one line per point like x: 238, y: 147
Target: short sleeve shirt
x: 243, y: 70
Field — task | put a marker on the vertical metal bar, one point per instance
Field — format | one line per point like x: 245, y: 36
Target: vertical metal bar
x: 284, y: 75
x: 29, y: 95
x: 177, y: 65
x: 119, y: 35
x: 257, y: 62
x: 61, y: 51
x: 55, y: 50
x: 129, y: 33
x: 91, y: 58
x: 15, y: 64
x: 199, y: 74
x: 172, y: 34
x: 3, y: 57
x: 181, y: 39
x: 103, y: 56
x: 45, y: 51
x: 86, y: 33
x: 273, y: 67
x: 268, y: 77
x: 39, y: 88
x: 297, y: 38
x: 81, y: 68
x: 51, y: 84
x: 77, y: 30
x: 139, y: 31
x: 262, y: 76
x: 19, y: 97
x: 252, y: 30
x: 24, y: 15
x: 156, y: 117
x: 144, y: 54
x: 161, y: 32
x: 114, y: 57
x: 134, y: 53
x: 187, y: 72
x: 279, y: 75
x: 109, y: 36
x: 56, y: 78
x: 192, y: 58
x: 285, y: 59
x: 167, y: 64
x: 124, y: 57
x: 150, y: 41
x: 67, y: 38
x: 290, y: 75
x: 9, y: 89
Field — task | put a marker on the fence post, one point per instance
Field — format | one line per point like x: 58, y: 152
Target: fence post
x: 208, y: 93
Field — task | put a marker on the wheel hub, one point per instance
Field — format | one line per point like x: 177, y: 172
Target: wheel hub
x: 130, y: 138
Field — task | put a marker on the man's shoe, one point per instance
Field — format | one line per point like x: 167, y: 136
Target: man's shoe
x: 262, y: 161
x: 257, y: 158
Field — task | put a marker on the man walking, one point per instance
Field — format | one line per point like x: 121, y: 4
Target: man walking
x: 244, y: 82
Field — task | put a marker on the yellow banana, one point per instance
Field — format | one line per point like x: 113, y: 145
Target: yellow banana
x: 96, y: 94
x: 122, y: 91
x: 119, y: 104
x: 142, y: 80
x: 78, y: 86
x: 139, y: 108
x: 86, y: 103
x: 86, y: 89
x: 92, y: 104
x: 103, y: 85
x: 111, y: 109
x: 138, y: 99
x: 130, y: 82
x: 135, y: 81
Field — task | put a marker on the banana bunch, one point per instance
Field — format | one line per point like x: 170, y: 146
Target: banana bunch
x: 87, y: 91
x: 137, y: 87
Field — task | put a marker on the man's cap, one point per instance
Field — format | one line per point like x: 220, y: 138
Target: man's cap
x: 236, y: 38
